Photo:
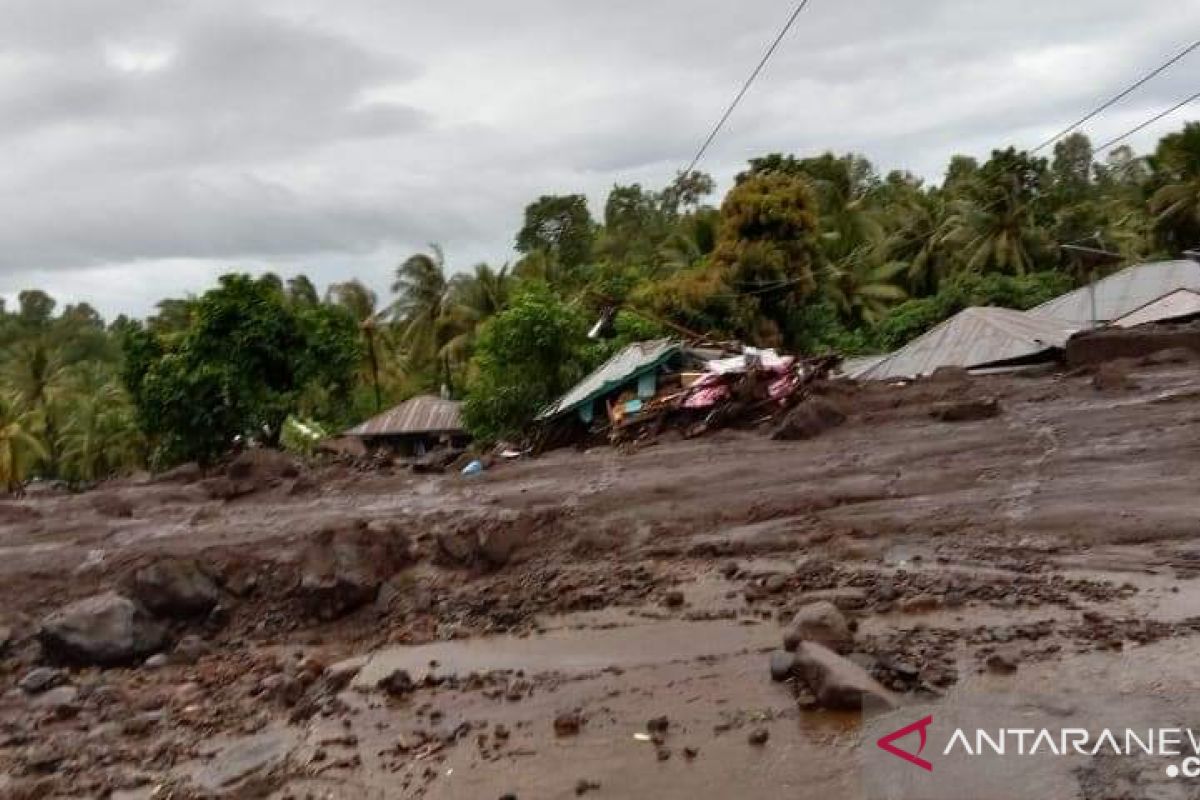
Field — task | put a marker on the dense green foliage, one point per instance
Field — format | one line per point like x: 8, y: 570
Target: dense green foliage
x: 807, y: 253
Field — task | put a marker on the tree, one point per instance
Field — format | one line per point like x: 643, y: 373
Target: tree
x: 473, y: 299
x: 245, y: 362
x: 99, y: 437
x: 1071, y: 170
x: 302, y: 292
x: 1176, y: 204
x: 19, y: 448
x: 766, y: 250
x: 560, y: 226
x: 525, y: 357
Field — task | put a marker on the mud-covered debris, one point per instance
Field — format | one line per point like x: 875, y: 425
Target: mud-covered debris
x: 673, y: 599
x: 583, y: 786
x: 820, y: 622
x: 112, y: 504
x: 835, y: 682
x: 1002, y: 663
x: 1113, y: 376
x: 759, y: 736
x: 175, y: 587
x: 106, y: 629
x: 809, y: 419
x: 658, y: 724
x: 568, y: 723
x: 966, y: 410
x: 397, y: 683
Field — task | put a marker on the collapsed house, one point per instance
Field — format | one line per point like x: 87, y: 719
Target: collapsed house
x: 415, y: 427
x: 1140, y: 287
x: 649, y: 386
x: 980, y: 337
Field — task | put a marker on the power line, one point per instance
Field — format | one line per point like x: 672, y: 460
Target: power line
x: 1147, y: 123
x: 1109, y: 103
x: 745, y: 87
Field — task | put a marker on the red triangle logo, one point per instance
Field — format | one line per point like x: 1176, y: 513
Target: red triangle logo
x: 885, y: 743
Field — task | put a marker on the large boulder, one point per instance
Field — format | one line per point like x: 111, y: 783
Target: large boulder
x: 343, y: 567
x: 811, y: 418
x: 837, y: 683
x: 821, y: 622
x: 175, y: 587
x: 105, y: 629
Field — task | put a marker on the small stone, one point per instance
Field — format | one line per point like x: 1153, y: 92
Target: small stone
x: 782, y: 664
x: 567, y: 723
x: 40, y: 679
x: 658, y: 724
x: 583, y: 786
x: 690, y: 752
x: 156, y: 661
x: 662, y: 753
x: 673, y: 599
x: 759, y: 736
x: 823, y: 623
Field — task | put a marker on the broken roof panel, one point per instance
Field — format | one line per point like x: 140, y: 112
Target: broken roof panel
x: 423, y: 414
x: 1179, y: 303
x: 1122, y: 292
x: 629, y: 362
x: 975, y: 337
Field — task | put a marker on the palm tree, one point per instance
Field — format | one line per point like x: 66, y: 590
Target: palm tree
x: 19, y: 448
x: 918, y: 239
x: 420, y: 307
x: 1177, y: 204
x: 862, y: 286
x: 690, y: 242
x: 34, y: 373
x: 473, y: 299
x: 100, y: 436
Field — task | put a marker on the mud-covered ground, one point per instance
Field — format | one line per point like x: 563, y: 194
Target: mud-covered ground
x: 528, y: 625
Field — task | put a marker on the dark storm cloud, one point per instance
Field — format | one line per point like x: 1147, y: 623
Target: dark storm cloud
x: 155, y: 144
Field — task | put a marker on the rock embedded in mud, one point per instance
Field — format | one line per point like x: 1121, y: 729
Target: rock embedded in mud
x: 343, y: 567
x: 966, y: 410
x: 190, y: 649
x: 658, y: 724
x: 1002, y: 663
x: 397, y: 683
x: 175, y: 587
x: 759, y: 736
x: 568, y: 723
x: 782, y: 664
x: 809, y: 419
x: 106, y: 629
x: 40, y: 679
x: 820, y: 622
x: 673, y: 599
x: 583, y: 786
x: 111, y: 504
x: 837, y: 683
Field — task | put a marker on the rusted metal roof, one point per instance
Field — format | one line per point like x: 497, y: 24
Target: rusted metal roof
x: 1180, y: 303
x: 421, y: 414
x: 975, y: 337
x: 1122, y: 292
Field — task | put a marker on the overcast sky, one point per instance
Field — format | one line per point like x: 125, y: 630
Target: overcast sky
x: 147, y: 146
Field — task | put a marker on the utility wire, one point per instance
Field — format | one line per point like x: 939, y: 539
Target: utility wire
x: 1147, y: 123
x: 1115, y: 98
x: 746, y: 87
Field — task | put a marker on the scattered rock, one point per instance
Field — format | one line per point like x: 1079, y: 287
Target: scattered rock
x: 175, y: 587
x: 397, y: 683
x: 105, y: 629
x: 966, y: 410
x: 1002, y: 663
x: 190, y: 649
x: 658, y: 724
x: 782, y: 664
x: 835, y: 682
x: 673, y: 599
x: 568, y: 723
x: 344, y: 567
x: 40, y: 679
x: 811, y: 418
x: 820, y: 622
x: 156, y: 661
x: 759, y: 736
x: 690, y: 752
x: 61, y: 700
x: 919, y: 604
x: 662, y: 753
x: 238, y: 761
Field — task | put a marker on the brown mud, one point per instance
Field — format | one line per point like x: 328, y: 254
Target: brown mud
x: 531, y: 625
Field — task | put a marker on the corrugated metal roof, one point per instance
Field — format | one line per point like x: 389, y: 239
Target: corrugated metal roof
x: 624, y: 366
x: 853, y: 367
x: 1122, y: 292
x: 1179, y: 303
x: 421, y: 414
x: 974, y: 337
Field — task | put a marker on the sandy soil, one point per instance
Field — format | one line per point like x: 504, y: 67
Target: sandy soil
x: 619, y: 587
